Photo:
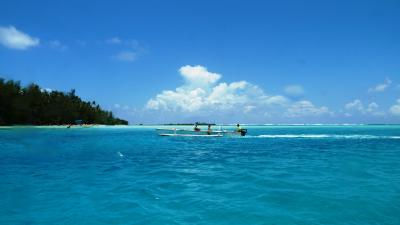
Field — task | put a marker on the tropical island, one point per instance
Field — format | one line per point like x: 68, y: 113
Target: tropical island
x: 32, y: 105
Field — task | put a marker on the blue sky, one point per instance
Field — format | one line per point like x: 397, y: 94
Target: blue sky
x: 217, y: 61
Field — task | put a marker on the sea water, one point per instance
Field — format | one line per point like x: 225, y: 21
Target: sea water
x: 130, y: 175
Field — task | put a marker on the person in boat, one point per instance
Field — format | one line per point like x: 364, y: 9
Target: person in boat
x: 209, y: 129
x: 196, y: 128
x: 238, y: 128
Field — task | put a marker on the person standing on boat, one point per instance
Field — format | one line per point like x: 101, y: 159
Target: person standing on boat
x: 209, y: 129
x: 196, y: 128
x: 238, y: 128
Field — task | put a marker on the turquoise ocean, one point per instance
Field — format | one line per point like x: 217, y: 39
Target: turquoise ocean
x: 130, y: 175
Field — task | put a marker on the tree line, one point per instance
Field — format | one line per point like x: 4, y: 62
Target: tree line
x: 32, y: 105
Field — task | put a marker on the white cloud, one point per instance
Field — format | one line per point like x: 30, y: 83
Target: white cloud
x: 294, y: 90
x: 305, y: 108
x: 198, y: 76
x: 381, y: 87
x: 130, y: 50
x: 372, y: 107
x: 117, y: 106
x: 276, y: 100
x: 227, y: 96
x: 182, y: 99
x: 203, y: 95
x: 127, y: 56
x: 395, y: 109
x: 357, y: 106
x: 248, y: 108
x: 12, y: 38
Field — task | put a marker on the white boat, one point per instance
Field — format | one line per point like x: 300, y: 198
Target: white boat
x: 193, y: 133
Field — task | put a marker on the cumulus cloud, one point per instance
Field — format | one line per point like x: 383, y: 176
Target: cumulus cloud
x: 12, y: 38
x: 203, y: 94
x: 381, y: 87
x: 357, y: 106
x: 198, y: 75
x: 294, y: 90
x: 395, y: 109
x: 372, y: 107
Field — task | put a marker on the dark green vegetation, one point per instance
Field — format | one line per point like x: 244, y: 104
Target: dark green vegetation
x: 31, y: 105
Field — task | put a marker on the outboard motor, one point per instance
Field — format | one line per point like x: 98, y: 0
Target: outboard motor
x: 243, y: 132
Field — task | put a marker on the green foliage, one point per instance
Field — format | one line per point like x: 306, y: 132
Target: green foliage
x: 32, y: 105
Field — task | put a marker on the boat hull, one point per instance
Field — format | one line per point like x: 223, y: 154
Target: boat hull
x: 191, y: 135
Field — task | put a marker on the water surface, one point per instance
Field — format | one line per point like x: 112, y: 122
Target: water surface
x: 129, y: 175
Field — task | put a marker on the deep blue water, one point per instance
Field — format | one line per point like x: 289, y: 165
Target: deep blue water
x: 276, y: 175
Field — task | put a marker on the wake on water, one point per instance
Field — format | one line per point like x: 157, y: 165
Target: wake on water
x: 323, y: 136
